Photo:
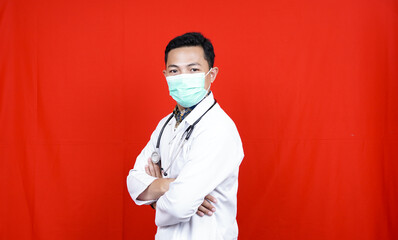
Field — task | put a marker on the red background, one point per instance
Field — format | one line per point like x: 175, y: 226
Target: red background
x: 311, y: 85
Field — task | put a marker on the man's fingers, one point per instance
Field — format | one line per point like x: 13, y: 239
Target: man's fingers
x: 211, y: 198
x: 208, y: 206
x: 157, y: 170
x: 200, y: 213
x: 205, y: 210
x: 151, y: 169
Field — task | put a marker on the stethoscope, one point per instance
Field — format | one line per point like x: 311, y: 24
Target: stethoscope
x: 156, y: 154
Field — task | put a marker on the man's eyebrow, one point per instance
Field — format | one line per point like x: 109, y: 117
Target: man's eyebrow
x: 172, y: 65
x: 193, y: 64
x: 189, y: 65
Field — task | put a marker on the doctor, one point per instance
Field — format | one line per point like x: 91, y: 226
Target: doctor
x: 188, y: 171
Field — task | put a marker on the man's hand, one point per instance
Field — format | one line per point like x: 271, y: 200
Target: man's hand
x: 206, y: 207
x: 158, y: 187
x: 153, y: 169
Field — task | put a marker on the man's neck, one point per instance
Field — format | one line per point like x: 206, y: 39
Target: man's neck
x: 181, y: 108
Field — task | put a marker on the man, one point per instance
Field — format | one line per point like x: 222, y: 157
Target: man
x: 194, y: 185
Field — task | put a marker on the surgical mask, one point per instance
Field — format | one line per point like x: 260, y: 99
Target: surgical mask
x: 187, y: 89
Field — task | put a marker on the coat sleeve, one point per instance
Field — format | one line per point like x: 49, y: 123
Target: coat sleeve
x: 213, y: 157
x: 138, y: 180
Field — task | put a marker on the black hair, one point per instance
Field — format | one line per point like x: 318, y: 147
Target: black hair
x: 192, y: 39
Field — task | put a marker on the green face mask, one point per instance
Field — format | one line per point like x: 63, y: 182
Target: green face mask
x: 187, y: 89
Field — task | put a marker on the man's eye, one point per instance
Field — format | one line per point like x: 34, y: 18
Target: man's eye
x: 194, y: 69
x: 173, y: 71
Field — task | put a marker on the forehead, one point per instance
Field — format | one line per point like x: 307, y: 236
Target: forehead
x: 186, y: 55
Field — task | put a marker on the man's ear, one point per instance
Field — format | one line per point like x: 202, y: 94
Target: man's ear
x: 213, y: 74
x: 164, y: 73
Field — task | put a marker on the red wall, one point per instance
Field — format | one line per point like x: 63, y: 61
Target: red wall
x: 311, y: 85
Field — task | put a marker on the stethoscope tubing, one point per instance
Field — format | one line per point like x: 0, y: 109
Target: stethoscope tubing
x: 156, y: 154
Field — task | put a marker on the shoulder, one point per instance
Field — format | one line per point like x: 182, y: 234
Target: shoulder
x: 217, y: 131
x: 219, y: 119
x: 218, y: 123
x: 160, y: 125
x: 164, y: 120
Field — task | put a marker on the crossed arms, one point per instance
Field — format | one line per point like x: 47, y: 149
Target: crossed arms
x: 161, y: 185
x: 214, y: 158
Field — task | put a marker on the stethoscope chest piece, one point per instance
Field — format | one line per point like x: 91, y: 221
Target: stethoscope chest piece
x: 155, y: 157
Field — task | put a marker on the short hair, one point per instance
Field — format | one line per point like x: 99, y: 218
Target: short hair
x: 192, y: 39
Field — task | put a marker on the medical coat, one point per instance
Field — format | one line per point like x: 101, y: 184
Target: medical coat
x: 208, y: 163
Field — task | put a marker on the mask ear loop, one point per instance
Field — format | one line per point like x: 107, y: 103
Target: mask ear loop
x: 208, y: 71
x: 210, y: 82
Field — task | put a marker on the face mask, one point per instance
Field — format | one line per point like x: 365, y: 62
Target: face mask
x: 187, y: 89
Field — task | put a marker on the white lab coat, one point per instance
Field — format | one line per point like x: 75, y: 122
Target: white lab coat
x: 208, y: 164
